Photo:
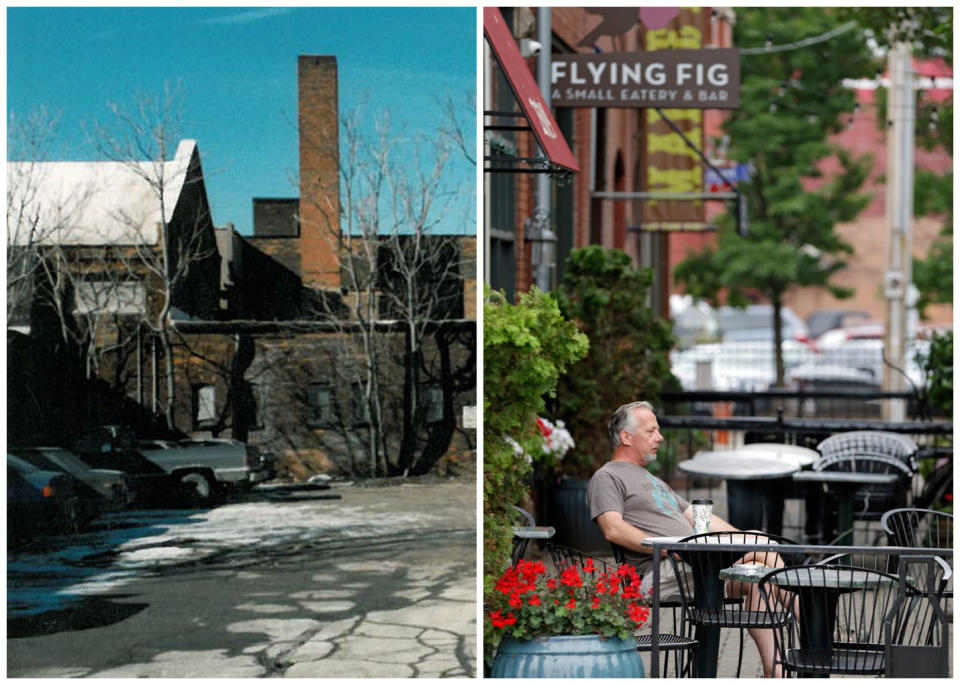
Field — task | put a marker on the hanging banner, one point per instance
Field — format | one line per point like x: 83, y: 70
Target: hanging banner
x: 702, y: 79
x: 669, y: 165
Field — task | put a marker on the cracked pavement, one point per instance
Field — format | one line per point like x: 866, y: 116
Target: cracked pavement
x: 378, y: 583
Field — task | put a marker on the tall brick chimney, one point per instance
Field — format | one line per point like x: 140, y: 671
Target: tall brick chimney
x: 319, y: 126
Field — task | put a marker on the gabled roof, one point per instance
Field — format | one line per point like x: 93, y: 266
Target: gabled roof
x: 93, y: 203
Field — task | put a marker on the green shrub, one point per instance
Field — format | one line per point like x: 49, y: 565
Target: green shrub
x: 526, y: 347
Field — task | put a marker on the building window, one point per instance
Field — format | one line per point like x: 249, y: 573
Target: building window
x: 258, y: 393
x: 320, y: 405
x: 361, y: 410
x: 431, y: 398
x: 204, y: 406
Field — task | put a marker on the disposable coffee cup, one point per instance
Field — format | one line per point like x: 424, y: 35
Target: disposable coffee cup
x: 702, y: 509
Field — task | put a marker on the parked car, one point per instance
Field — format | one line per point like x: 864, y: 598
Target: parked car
x: 755, y: 322
x: 747, y: 365
x: 824, y: 320
x: 694, y: 321
x: 115, y: 448
x: 108, y: 485
x: 39, y: 501
x: 868, y: 329
x: 207, y: 467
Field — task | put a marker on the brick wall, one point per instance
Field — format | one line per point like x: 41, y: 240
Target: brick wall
x: 319, y: 172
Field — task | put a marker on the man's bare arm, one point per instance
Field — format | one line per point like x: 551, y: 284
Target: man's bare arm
x: 619, y: 532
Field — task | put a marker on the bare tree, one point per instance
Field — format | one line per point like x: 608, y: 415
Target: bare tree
x: 153, y: 250
x: 401, y: 279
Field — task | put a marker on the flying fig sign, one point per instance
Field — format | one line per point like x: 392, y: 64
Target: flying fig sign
x: 701, y: 79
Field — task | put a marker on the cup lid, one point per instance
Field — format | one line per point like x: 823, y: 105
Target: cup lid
x: 702, y: 501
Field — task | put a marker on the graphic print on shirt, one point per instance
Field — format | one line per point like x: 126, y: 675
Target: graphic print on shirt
x: 664, y: 499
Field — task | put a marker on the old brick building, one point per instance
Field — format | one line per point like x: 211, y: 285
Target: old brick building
x: 277, y: 355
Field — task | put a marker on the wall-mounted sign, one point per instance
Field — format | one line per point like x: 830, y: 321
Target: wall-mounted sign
x: 701, y: 79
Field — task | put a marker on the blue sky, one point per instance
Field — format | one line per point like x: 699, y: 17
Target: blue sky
x: 237, y: 71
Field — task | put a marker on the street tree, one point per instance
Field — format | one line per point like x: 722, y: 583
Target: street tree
x: 791, y: 101
x: 401, y: 281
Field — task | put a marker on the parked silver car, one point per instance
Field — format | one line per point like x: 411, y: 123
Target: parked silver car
x: 755, y: 322
x: 209, y: 466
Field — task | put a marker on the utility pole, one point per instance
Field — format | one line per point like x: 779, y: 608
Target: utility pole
x: 899, y: 211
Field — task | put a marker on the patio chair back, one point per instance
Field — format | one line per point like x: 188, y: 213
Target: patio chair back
x: 877, y: 442
x: 918, y: 528
x: 872, y: 501
x: 524, y: 518
x: 916, y: 632
x: 839, y: 623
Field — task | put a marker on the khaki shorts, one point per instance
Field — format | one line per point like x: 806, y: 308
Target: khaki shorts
x: 669, y: 588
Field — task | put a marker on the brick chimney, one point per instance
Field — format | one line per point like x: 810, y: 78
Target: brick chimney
x: 319, y: 126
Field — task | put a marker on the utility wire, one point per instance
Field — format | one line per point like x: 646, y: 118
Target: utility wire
x: 843, y: 28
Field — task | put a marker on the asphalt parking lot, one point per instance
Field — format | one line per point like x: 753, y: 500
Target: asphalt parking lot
x: 350, y: 581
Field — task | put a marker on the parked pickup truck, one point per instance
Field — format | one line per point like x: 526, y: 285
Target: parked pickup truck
x: 210, y: 466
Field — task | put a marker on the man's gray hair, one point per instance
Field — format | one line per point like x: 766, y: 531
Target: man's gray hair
x: 625, y: 418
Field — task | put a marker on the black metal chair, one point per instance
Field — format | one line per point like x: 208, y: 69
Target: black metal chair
x: 916, y: 631
x: 702, y: 594
x: 668, y: 643
x: 519, y: 542
x: 918, y: 528
x: 840, y: 626
x: 870, y: 501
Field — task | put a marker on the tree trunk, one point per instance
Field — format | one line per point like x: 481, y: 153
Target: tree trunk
x: 776, y: 300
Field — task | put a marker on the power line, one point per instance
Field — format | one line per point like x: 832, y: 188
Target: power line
x: 843, y: 28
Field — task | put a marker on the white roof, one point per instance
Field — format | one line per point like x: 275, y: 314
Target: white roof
x: 92, y: 203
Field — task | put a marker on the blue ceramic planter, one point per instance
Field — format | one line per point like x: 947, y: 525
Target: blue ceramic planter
x: 567, y: 656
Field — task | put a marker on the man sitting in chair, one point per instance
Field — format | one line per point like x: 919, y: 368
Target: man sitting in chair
x: 630, y: 504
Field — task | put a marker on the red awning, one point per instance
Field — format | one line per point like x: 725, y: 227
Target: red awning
x: 525, y: 89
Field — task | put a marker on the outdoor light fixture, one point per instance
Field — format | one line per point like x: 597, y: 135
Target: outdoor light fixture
x: 543, y: 247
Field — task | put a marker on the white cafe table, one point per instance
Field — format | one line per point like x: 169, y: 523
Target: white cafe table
x: 755, y: 485
x: 804, y: 456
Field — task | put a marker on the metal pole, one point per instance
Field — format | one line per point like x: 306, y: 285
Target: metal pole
x: 543, y: 275
x: 487, y: 105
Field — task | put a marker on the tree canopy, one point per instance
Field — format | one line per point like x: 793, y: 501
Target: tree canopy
x: 791, y: 102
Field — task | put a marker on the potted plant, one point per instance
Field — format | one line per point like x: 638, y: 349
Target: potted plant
x: 570, y: 625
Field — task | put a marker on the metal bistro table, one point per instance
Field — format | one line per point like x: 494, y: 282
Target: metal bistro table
x: 709, y: 596
x: 844, y: 485
x: 526, y: 533
x: 755, y: 485
x: 668, y: 545
x: 818, y: 592
x: 805, y: 458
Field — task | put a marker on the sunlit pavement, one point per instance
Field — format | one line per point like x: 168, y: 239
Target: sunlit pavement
x: 379, y: 583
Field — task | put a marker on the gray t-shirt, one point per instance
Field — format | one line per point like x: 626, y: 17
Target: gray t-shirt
x: 642, y: 499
